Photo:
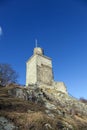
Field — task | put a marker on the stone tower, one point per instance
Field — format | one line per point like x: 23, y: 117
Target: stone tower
x: 39, y: 68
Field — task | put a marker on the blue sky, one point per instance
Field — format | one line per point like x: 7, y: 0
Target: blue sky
x: 60, y: 27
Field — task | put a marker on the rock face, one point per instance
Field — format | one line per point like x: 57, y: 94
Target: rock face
x: 51, y: 98
x: 45, y: 108
x: 5, y: 124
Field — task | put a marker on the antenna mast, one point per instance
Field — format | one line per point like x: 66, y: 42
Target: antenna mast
x: 36, y: 43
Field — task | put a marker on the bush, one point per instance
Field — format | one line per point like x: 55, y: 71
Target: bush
x: 83, y: 100
x: 7, y: 74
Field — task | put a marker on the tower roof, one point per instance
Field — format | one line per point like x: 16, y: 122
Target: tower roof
x: 38, y: 51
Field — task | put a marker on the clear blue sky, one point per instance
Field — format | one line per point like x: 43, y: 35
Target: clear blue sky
x: 61, y: 29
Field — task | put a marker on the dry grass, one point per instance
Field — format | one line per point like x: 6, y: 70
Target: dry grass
x: 25, y: 121
x: 9, y: 103
x: 30, y: 116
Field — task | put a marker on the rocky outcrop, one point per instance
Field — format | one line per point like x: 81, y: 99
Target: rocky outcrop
x: 50, y: 98
x: 5, y: 124
x: 40, y: 108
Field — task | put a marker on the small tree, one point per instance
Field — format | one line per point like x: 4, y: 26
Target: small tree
x: 7, y: 74
x: 83, y: 100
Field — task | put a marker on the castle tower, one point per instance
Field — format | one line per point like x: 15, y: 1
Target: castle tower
x: 39, y: 68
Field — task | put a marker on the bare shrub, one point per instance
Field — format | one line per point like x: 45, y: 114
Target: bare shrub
x: 83, y: 100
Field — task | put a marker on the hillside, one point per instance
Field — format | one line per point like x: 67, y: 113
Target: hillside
x: 40, y: 109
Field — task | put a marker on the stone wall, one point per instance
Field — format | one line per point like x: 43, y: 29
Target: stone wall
x: 44, y: 74
x: 39, y: 69
x: 44, y: 70
x: 44, y: 60
x: 31, y: 71
x: 60, y: 86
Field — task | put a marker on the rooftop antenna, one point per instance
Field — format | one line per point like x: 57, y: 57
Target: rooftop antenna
x: 36, y: 43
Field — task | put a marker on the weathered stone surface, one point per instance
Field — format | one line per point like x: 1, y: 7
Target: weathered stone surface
x: 39, y: 71
x: 45, y: 74
x: 60, y: 86
x: 38, y: 51
x: 50, y: 106
x: 51, y: 99
x: 31, y: 71
x: 5, y: 124
x: 48, y: 126
x: 18, y: 92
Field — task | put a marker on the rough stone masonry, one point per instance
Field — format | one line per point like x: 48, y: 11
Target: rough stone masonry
x: 39, y: 72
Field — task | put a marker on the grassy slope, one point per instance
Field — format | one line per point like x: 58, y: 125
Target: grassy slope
x: 30, y: 116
